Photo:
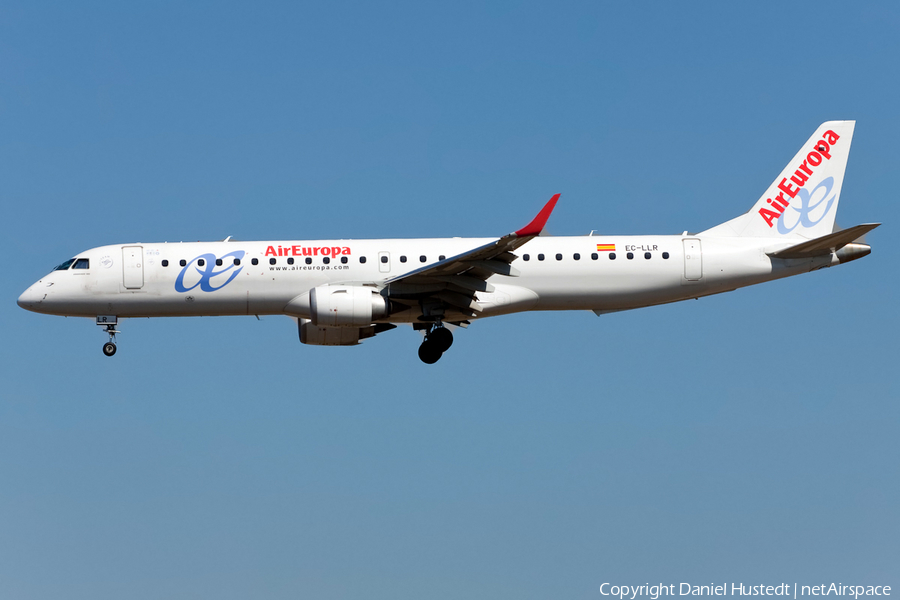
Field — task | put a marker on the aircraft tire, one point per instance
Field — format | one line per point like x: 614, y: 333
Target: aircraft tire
x: 109, y: 348
x: 429, y: 353
x: 441, y: 338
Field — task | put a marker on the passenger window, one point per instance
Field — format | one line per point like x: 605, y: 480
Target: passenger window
x: 65, y: 265
x: 308, y: 260
x: 254, y: 261
x: 526, y: 257
x: 290, y: 260
x: 362, y: 260
x: 540, y: 257
x: 326, y: 260
x: 576, y: 256
x: 442, y: 257
x: 647, y: 255
x: 237, y: 262
x: 218, y: 262
x: 384, y: 259
x: 344, y: 260
x: 201, y: 262
x: 630, y: 255
x: 182, y: 262
x: 165, y: 263
x: 82, y: 263
x: 594, y: 256
x: 271, y: 261
x: 559, y: 257
x: 422, y: 258
x: 665, y: 255
x: 612, y: 256
x: 402, y: 259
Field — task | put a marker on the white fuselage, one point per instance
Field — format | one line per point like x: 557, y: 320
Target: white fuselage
x: 344, y: 291
x: 168, y: 279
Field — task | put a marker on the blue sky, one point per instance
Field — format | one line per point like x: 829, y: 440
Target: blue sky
x: 745, y: 437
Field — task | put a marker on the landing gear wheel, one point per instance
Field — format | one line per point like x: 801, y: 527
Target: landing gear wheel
x: 429, y: 353
x: 441, y: 338
x: 109, y: 348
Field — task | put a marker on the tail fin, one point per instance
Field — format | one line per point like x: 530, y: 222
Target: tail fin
x: 802, y: 201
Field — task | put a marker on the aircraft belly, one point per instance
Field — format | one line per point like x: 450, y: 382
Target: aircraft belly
x: 610, y: 290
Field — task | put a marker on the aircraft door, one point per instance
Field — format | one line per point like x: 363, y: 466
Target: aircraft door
x: 384, y: 262
x: 133, y: 267
x: 693, y: 260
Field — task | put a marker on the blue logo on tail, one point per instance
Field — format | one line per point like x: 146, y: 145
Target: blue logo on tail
x: 805, y: 208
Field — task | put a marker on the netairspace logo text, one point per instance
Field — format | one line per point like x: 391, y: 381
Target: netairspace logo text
x: 654, y: 592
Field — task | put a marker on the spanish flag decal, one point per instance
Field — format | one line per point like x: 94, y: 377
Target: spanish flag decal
x: 606, y: 247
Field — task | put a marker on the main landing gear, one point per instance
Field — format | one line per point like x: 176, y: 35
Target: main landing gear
x: 109, y: 348
x: 437, y: 341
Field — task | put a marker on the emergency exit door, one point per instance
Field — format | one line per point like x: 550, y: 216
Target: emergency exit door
x: 693, y: 260
x: 133, y: 267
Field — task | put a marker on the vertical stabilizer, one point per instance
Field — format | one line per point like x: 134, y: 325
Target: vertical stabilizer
x: 802, y: 201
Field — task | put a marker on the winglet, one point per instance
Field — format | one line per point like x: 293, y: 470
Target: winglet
x: 537, y: 224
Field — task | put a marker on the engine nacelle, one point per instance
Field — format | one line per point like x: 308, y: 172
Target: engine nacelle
x: 346, y: 306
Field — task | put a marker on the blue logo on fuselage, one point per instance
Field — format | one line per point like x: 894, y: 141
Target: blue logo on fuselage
x: 208, y: 271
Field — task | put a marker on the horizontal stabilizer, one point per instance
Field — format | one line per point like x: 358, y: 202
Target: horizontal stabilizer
x: 825, y: 244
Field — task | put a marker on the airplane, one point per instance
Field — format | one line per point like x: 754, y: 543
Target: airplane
x: 343, y: 291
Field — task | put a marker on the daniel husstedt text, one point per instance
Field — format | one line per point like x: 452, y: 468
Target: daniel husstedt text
x: 740, y: 589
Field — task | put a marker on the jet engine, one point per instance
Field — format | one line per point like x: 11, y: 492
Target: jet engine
x: 346, y: 306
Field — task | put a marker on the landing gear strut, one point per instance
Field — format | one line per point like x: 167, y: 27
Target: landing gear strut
x: 437, y: 341
x: 109, y: 348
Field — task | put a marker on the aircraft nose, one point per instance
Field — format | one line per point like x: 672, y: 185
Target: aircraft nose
x: 30, y: 298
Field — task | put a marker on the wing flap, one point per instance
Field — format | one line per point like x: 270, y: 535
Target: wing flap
x: 459, y: 301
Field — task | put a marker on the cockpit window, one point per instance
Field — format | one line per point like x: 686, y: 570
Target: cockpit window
x: 82, y: 263
x: 65, y: 265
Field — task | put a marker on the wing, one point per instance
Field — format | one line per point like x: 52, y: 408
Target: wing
x: 448, y: 287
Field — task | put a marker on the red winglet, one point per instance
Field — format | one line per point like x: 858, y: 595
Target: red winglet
x: 537, y: 224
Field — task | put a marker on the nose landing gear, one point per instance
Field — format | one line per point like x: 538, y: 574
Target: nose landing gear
x: 110, y: 322
x: 437, y: 341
